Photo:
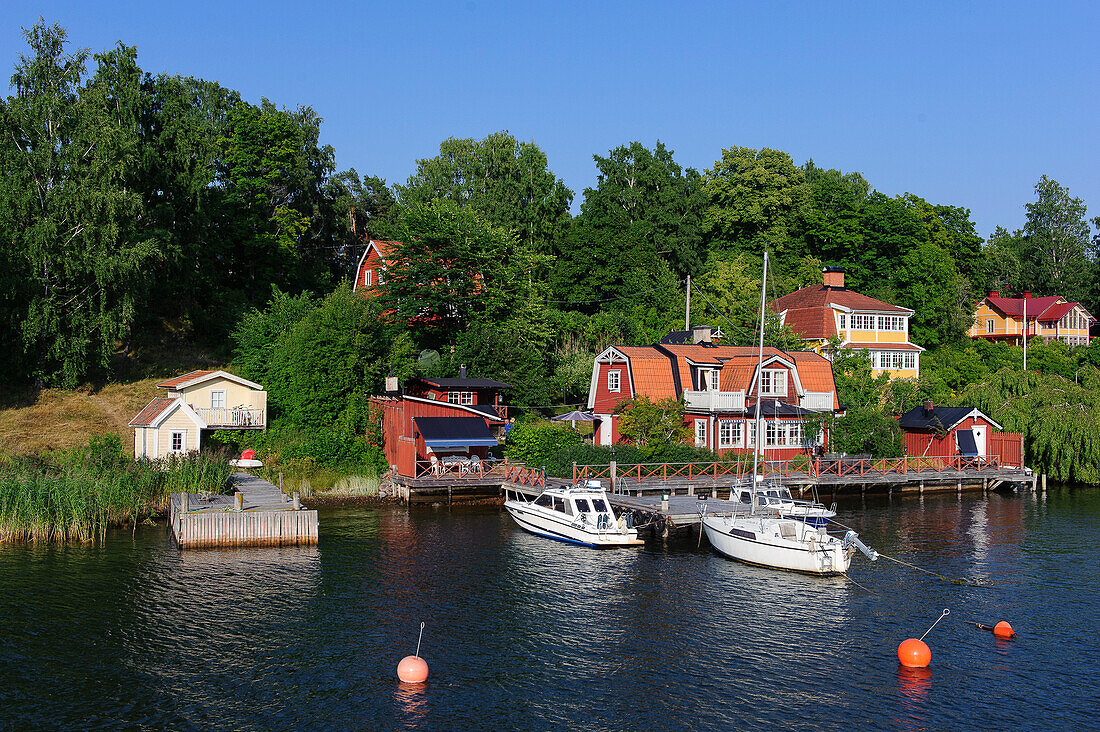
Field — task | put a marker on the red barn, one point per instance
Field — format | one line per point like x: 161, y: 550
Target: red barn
x: 931, y: 431
x: 434, y: 420
x: 719, y: 386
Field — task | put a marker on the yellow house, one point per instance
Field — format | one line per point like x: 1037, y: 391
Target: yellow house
x: 197, y: 401
x: 1051, y: 318
x: 821, y: 312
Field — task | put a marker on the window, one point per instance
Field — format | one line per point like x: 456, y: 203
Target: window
x: 368, y: 278
x: 771, y: 434
x: 559, y: 504
x: 989, y: 325
x: 545, y: 501
x: 382, y: 276
x: 863, y: 322
x: 613, y: 380
x: 217, y: 400
x: 582, y: 505
x: 910, y: 360
x: 843, y: 321
x: 708, y: 379
x: 700, y: 433
x: 178, y: 441
x: 773, y: 382
x: 460, y: 397
x: 599, y: 505
x: 729, y: 433
x: 750, y: 441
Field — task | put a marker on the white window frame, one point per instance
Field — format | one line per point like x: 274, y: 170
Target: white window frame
x: 368, y: 278
x: 773, y: 382
x: 172, y: 442
x: 730, y: 432
x: 382, y: 275
x: 614, y: 380
x: 465, y: 398
x: 843, y: 321
x: 214, y: 401
x: 989, y: 325
x: 701, y: 432
x: 750, y: 440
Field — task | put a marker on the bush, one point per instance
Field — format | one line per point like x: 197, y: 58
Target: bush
x: 867, y: 430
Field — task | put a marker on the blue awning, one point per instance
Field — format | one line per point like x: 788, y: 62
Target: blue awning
x: 967, y: 446
x: 449, y: 433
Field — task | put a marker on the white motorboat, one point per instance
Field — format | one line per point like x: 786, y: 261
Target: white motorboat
x: 779, y: 499
x: 767, y: 537
x: 574, y: 514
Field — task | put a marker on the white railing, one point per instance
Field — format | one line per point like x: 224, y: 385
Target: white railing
x: 231, y: 417
x: 817, y: 400
x: 715, y: 401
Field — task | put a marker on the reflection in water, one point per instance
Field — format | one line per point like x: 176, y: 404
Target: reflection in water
x: 526, y: 633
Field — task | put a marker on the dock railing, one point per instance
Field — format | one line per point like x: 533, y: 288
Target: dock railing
x: 467, y: 470
x: 800, y: 467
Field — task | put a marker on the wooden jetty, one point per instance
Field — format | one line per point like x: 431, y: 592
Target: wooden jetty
x: 462, y: 481
x: 257, y: 514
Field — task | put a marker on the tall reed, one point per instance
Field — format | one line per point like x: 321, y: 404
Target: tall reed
x: 77, y: 495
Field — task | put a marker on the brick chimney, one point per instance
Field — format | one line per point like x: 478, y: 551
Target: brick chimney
x: 834, y: 277
x: 462, y: 371
x: 701, y: 334
x: 994, y: 293
x: 1027, y: 294
x: 928, y: 408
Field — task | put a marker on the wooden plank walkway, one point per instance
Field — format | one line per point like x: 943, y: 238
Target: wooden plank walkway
x: 267, y: 517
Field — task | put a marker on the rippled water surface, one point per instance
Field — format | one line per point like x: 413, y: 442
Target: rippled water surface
x: 526, y: 633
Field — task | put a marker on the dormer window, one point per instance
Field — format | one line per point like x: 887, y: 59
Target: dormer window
x: 708, y: 379
x: 613, y: 380
x: 773, y: 382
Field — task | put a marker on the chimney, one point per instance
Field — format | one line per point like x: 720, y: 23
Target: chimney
x: 834, y: 277
x: 1027, y: 294
x: 928, y: 408
x: 701, y: 334
x: 994, y: 293
x: 462, y: 371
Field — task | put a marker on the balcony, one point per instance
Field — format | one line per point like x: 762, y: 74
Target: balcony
x: 818, y: 401
x: 233, y: 418
x: 715, y: 401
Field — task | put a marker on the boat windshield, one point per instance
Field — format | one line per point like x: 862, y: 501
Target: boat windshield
x: 772, y: 493
x: 582, y: 505
x: 744, y: 497
x: 599, y: 505
x: 545, y: 500
x: 561, y: 505
x: 784, y: 493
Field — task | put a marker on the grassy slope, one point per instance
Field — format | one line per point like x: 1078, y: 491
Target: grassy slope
x: 57, y: 418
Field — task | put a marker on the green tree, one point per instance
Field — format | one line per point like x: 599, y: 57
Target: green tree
x: 866, y: 430
x: 852, y: 374
x: 260, y: 332
x: 71, y: 217
x: 927, y: 281
x: 831, y: 223
x: 647, y: 193
x: 647, y: 423
x: 506, y: 181
x: 755, y: 198
x: 453, y: 269
x: 1057, y: 248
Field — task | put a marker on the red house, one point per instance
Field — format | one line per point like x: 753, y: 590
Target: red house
x: 371, y: 270
x: 719, y: 385
x: 438, y: 420
x: 931, y: 431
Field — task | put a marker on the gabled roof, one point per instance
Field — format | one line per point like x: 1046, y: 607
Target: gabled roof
x: 385, y: 250
x: 197, y: 377
x: 809, y: 310
x: 1014, y: 306
x: 940, y: 418
x: 159, y: 409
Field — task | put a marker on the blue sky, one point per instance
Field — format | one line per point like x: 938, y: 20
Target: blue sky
x: 961, y: 103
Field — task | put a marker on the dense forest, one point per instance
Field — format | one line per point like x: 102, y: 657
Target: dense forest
x: 139, y: 209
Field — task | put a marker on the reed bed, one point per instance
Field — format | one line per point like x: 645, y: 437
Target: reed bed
x: 77, y: 495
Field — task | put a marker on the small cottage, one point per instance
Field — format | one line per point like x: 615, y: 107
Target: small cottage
x: 931, y: 431
x: 173, y: 422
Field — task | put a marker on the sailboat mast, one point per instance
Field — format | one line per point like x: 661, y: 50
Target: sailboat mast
x: 759, y: 375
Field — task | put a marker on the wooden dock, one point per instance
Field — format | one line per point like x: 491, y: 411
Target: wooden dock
x: 258, y: 514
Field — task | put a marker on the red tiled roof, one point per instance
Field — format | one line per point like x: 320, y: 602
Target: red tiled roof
x: 1056, y: 311
x: 1015, y: 305
x: 814, y: 371
x: 151, y: 411
x: 808, y: 311
x: 650, y: 372
x: 171, y: 383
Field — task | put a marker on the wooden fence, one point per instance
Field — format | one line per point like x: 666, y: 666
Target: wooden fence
x: 467, y: 471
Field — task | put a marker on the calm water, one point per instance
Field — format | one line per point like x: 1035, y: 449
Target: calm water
x: 526, y: 633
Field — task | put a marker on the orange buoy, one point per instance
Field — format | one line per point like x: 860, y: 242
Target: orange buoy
x: 412, y: 670
x: 913, y: 653
x: 1003, y: 630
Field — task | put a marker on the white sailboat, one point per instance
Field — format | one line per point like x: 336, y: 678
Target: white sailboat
x: 768, y: 538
